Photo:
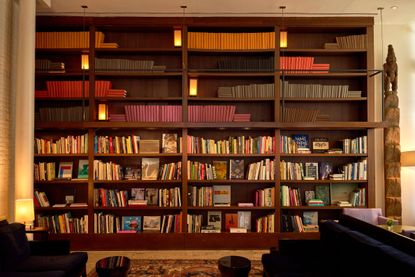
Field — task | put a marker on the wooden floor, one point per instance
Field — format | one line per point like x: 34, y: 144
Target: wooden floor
x: 94, y: 256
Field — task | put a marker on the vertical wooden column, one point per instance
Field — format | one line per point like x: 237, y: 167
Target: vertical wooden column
x: 24, y: 93
x: 393, y: 204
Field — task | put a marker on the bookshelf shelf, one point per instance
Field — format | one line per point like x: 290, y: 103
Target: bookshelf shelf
x: 137, y: 70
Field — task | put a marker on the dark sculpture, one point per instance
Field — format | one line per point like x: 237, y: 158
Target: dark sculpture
x: 390, y: 70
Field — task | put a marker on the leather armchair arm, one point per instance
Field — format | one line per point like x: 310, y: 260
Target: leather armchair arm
x: 49, y: 247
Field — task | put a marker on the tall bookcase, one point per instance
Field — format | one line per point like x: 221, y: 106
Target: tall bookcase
x: 240, y: 69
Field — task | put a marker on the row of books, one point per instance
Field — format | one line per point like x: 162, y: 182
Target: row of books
x: 211, y: 113
x: 246, y: 64
x: 301, y: 115
x: 296, y: 223
x: 247, y: 91
x: 262, y: 170
x: 227, y: 41
x: 40, y: 199
x: 356, y: 170
x: 352, y: 41
x: 78, y: 89
x: 316, y: 91
x: 132, y: 144
x: 70, y: 40
x: 265, y: 224
x: 290, y: 196
x: 63, y: 145
x: 45, y: 65
x: 103, y: 64
x: 139, y: 197
x: 58, y: 113
x: 355, y: 146
x: 231, y: 145
x: 302, y: 65
x: 153, y: 113
x: 150, y: 170
x: 110, y: 224
x: 63, y: 223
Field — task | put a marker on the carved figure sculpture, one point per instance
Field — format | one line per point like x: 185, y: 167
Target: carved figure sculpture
x: 390, y: 70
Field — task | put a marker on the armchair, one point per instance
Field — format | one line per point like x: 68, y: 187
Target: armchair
x: 20, y: 257
x: 369, y: 215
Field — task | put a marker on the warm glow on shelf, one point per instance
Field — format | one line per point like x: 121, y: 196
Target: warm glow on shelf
x: 177, y: 38
x: 102, y: 112
x: 85, y: 62
x: 193, y: 87
x: 283, y: 39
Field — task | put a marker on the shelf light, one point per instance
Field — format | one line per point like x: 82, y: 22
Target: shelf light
x: 177, y: 38
x: 283, y: 39
x: 85, y: 62
x: 102, y: 112
x: 193, y: 87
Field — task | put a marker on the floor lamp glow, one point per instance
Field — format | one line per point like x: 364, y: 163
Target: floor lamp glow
x: 25, y: 212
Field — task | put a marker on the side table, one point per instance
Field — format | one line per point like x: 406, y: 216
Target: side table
x: 38, y: 233
x: 115, y: 266
x: 234, y: 266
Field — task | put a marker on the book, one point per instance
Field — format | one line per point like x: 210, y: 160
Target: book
x: 131, y: 223
x: 323, y: 193
x: 83, y: 167
x: 311, y: 171
x: 236, y: 169
x: 237, y: 230
x: 310, y: 218
x: 320, y: 145
x: 308, y: 195
x: 221, y: 195
x: 138, y: 193
x: 169, y: 143
x: 65, y: 170
x: 132, y: 173
x: 231, y: 221
x: 220, y: 170
x: 151, y: 195
x: 244, y: 220
x: 151, y: 223
x: 149, y: 168
x: 301, y: 140
x: 215, y: 219
x: 325, y: 170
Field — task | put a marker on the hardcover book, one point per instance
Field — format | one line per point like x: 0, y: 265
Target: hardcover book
x: 169, y: 143
x: 301, y: 140
x: 325, y: 170
x: 221, y: 195
x: 244, y: 220
x: 220, y: 170
x: 320, y: 145
x: 131, y: 223
x: 309, y: 194
x: 83, y: 169
x: 151, y: 195
x: 132, y: 173
x: 323, y: 193
x: 138, y: 193
x: 310, y: 218
x: 231, y: 221
x: 311, y: 171
x: 149, y: 168
x: 151, y: 223
x: 236, y: 169
x: 65, y: 170
x: 215, y: 219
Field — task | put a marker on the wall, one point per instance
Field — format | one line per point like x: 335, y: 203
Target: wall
x: 402, y: 37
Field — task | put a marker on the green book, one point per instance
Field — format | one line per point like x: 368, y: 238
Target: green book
x: 323, y: 193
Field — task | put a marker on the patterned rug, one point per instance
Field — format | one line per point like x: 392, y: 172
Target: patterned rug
x: 176, y: 268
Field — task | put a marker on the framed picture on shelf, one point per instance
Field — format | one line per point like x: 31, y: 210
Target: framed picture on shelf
x: 151, y: 223
x: 320, y: 145
x: 65, y: 170
x: 150, y: 168
x: 215, y: 219
x: 169, y: 143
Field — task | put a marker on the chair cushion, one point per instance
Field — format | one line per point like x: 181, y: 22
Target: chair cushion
x: 72, y: 263
x: 14, y: 245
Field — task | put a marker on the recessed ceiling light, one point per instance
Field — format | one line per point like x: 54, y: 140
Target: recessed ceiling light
x: 394, y: 8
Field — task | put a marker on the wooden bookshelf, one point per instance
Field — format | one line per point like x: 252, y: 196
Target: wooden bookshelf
x: 241, y: 67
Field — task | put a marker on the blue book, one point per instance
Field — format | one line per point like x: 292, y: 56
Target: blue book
x: 302, y: 140
x: 131, y: 223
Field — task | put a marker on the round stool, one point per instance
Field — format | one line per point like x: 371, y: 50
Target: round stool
x: 116, y: 266
x: 234, y: 266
